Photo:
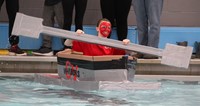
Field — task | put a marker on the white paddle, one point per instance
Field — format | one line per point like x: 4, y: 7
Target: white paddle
x: 172, y: 55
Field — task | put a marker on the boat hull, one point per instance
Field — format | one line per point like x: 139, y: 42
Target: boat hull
x: 94, y: 73
x: 95, y: 68
x: 54, y: 79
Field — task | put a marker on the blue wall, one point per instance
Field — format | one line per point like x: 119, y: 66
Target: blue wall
x: 31, y: 44
x: 179, y: 34
x: 168, y: 35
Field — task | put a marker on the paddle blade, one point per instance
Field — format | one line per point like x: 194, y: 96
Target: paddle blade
x: 177, y: 56
x: 27, y: 26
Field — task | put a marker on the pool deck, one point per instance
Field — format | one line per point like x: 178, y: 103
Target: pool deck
x: 41, y: 64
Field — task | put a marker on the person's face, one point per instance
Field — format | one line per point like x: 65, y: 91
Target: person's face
x: 105, y: 28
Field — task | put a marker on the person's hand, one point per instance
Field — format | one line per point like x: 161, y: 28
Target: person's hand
x: 79, y: 32
x: 68, y: 42
x: 126, y: 41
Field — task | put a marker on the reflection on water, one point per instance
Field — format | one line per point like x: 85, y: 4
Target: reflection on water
x: 22, y: 91
x: 80, y: 95
x: 18, y: 89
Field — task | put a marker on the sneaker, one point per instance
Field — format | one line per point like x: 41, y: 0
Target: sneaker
x: 197, y: 48
x: 147, y: 56
x: 16, y: 51
x: 137, y: 55
x: 43, y: 51
x: 184, y: 43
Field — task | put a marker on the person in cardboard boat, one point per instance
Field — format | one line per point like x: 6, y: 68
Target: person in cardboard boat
x: 104, y: 29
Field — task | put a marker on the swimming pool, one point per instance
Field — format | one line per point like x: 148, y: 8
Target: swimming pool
x: 21, y: 90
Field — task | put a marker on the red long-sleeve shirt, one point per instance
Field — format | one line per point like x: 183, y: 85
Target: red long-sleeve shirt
x: 95, y: 49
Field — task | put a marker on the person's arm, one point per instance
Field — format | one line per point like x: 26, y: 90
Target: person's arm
x: 68, y: 42
x: 126, y: 42
x: 76, y: 45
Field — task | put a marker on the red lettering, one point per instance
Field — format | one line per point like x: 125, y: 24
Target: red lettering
x: 75, y: 73
x: 70, y: 70
x: 68, y: 76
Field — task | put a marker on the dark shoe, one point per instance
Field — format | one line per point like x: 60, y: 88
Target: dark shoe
x: 184, y: 43
x: 193, y: 56
x: 147, y: 56
x: 197, y: 48
x: 137, y: 56
x: 16, y: 51
x: 43, y: 51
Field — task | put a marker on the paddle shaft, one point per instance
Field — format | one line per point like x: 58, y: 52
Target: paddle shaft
x: 103, y: 41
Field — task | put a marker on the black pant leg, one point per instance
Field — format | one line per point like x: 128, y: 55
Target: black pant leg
x: 68, y: 6
x: 80, y: 7
x: 12, y: 7
x: 1, y: 3
x: 108, y: 10
x: 122, y: 11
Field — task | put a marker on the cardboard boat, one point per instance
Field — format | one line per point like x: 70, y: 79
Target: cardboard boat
x: 95, y: 68
x: 80, y: 72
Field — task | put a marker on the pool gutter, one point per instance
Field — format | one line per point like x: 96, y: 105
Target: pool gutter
x: 40, y: 64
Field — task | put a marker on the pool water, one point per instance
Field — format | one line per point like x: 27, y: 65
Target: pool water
x: 23, y: 91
